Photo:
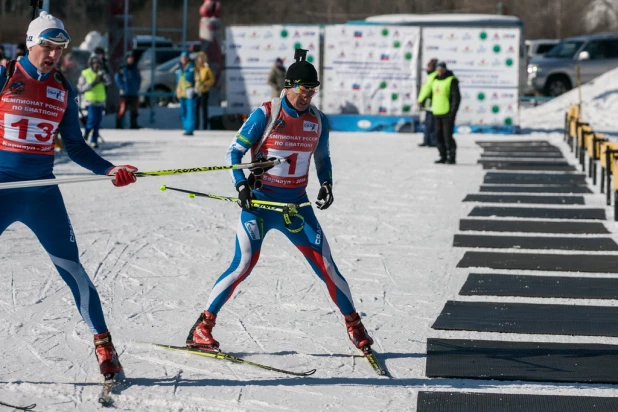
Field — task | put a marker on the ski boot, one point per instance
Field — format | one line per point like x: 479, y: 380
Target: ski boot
x: 106, y: 355
x: 357, y: 332
x: 200, y: 335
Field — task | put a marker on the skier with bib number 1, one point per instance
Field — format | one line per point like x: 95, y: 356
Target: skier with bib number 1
x: 287, y: 127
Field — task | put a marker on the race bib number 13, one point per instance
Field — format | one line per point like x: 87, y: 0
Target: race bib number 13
x: 28, y: 129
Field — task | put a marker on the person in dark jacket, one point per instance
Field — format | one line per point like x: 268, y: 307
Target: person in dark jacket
x: 445, y: 103
x: 128, y: 80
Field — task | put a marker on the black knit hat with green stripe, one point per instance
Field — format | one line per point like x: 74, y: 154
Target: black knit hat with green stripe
x: 301, y: 72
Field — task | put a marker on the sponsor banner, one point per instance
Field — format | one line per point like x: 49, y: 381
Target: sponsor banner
x: 250, y: 54
x: 370, y: 69
x: 486, y: 62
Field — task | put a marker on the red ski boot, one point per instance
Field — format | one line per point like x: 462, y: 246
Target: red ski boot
x: 357, y: 332
x: 200, y: 335
x: 106, y: 354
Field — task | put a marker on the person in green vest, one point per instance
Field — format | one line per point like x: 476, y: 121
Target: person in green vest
x: 92, y: 83
x: 445, y: 99
x: 424, y: 103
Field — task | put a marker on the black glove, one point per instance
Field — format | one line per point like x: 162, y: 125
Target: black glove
x: 325, y: 196
x: 258, y: 171
x: 244, y: 196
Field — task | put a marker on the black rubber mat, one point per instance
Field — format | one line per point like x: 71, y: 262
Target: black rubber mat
x: 529, y: 318
x: 496, y: 284
x: 531, y: 199
x: 508, y: 149
x: 598, y: 244
x: 511, y: 402
x: 522, y: 155
x: 536, y: 189
x: 526, y: 226
x: 525, y: 361
x: 549, y: 262
x: 539, y: 212
x: 536, y: 166
x: 535, y: 178
x: 534, y: 162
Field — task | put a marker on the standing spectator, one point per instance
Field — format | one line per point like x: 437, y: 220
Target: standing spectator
x: 424, y: 102
x: 128, y: 79
x: 3, y: 58
x: 276, y: 78
x: 92, y: 84
x: 445, y: 103
x: 185, y: 92
x: 20, y: 51
x: 204, y: 79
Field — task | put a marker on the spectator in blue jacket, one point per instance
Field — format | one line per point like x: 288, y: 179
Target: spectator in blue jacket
x: 128, y: 79
x: 185, y: 92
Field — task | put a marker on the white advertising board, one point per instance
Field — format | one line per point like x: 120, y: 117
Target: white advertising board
x: 251, y: 52
x: 486, y: 62
x: 370, y: 69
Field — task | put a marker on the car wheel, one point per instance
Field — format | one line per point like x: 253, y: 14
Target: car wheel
x: 557, y: 85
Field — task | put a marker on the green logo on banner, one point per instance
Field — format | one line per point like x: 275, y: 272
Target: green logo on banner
x: 495, y: 109
x: 509, y: 62
x: 394, y: 96
x: 397, y: 44
x: 297, y: 45
x: 310, y: 59
x: 480, y: 96
x: 406, y: 108
x: 382, y: 85
x: 508, y: 121
x: 284, y: 33
x: 497, y: 48
x: 408, y: 56
x: 483, y: 35
x: 384, y: 32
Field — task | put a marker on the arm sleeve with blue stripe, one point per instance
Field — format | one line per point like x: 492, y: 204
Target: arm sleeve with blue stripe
x: 74, y: 143
x: 250, y: 132
x: 321, y: 155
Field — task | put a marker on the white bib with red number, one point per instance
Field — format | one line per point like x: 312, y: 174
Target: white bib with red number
x: 30, y: 112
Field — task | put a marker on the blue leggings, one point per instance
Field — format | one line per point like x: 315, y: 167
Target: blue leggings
x: 95, y: 117
x: 252, y: 228
x: 43, y: 211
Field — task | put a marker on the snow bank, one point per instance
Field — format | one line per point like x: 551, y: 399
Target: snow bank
x: 599, y: 106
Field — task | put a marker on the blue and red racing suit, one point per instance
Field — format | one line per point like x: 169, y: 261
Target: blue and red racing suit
x: 297, y: 136
x: 33, y: 107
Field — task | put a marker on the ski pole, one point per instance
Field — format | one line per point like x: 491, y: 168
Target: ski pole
x: 49, y: 182
x: 289, y: 210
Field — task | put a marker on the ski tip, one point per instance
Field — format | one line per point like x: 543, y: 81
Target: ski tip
x: 163, y: 188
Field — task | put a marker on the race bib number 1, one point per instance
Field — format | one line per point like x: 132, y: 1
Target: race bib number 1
x: 298, y: 163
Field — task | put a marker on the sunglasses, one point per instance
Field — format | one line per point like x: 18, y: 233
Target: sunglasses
x: 56, y: 36
x: 306, y: 91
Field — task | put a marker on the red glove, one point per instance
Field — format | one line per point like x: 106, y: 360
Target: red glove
x: 124, y: 175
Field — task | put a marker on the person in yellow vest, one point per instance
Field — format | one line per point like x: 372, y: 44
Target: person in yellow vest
x: 204, y: 79
x: 445, y: 99
x: 424, y: 103
x: 92, y: 84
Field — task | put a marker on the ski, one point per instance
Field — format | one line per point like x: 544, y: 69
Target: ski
x: 110, y: 381
x: 19, y: 408
x: 225, y: 356
x: 368, y: 354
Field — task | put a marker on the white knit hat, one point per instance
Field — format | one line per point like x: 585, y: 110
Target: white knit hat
x: 46, y: 28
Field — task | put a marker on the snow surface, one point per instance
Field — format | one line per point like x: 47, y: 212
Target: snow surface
x: 154, y: 257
